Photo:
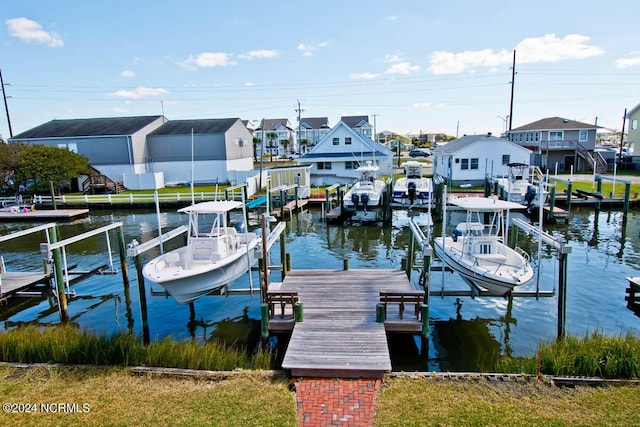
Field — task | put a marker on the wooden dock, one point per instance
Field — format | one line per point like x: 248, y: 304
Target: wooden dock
x: 339, y: 335
x: 12, y: 283
x: 43, y: 215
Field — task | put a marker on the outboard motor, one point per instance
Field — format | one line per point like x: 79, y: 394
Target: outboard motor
x: 365, y: 201
x: 530, y: 195
x: 411, y: 190
x: 355, y: 199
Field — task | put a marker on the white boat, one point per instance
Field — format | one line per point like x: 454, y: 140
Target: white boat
x: 412, y: 189
x: 214, y: 256
x: 477, y: 251
x: 518, y: 186
x: 364, y: 197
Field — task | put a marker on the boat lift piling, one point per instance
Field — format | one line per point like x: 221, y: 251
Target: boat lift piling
x: 135, y: 250
x: 563, y: 250
x: 54, y: 252
x: 627, y: 193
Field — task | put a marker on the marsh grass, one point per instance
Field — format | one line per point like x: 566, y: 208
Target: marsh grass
x: 69, y: 345
x: 594, y: 355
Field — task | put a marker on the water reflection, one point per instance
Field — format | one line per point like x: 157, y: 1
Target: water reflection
x: 465, y: 335
x: 472, y: 344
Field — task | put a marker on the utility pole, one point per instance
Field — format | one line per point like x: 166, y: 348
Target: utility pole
x: 624, y: 117
x: 6, y: 106
x: 513, y: 83
x: 299, y: 111
x: 375, y: 134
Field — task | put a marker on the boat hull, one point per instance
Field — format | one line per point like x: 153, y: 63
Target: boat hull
x: 419, y: 194
x: 498, y: 279
x: 192, y: 280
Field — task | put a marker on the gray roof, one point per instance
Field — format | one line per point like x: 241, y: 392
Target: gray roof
x: 88, y: 127
x: 463, y: 142
x: 202, y: 126
x: 271, y: 124
x: 554, y: 123
x: 315, y: 122
x: 353, y: 121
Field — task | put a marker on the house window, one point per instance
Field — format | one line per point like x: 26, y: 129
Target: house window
x: 347, y: 140
x: 336, y: 141
x: 506, y: 159
x: 474, y: 163
x: 556, y: 135
x: 634, y: 124
x: 324, y: 166
x: 464, y: 164
x: 351, y: 165
x: 582, y: 135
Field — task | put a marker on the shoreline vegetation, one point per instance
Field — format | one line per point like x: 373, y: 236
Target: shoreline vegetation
x: 594, y: 355
x: 96, y: 387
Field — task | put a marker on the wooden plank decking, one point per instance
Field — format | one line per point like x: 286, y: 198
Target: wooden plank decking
x: 13, y: 282
x: 43, y: 215
x: 339, y: 336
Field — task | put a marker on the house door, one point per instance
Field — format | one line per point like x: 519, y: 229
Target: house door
x: 568, y: 163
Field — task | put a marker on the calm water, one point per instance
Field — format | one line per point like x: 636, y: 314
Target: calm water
x: 466, y: 333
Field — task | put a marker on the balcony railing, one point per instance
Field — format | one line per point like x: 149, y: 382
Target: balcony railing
x: 552, y: 145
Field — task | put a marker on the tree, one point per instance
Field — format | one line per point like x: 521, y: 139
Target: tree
x: 256, y: 142
x: 272, y: 137
x: 44, y: 164
x: 10, y: 155
x: 285, y: 143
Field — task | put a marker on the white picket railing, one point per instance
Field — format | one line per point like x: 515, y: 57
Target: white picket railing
x: 130, y: 198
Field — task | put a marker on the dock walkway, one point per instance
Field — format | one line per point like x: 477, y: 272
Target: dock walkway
x: 339, y: 336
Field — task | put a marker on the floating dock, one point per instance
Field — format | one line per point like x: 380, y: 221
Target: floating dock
x: 340, y: 335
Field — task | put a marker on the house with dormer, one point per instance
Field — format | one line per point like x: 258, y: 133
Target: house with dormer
x: 359, y: 124
x: 560, y: 144
x: 337, y: 156
x: 310, y: 131
x: 276, y: 137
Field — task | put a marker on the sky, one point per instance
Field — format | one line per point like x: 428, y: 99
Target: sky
x: 410, y: 65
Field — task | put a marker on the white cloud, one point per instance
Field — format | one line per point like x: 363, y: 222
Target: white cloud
x: 249, y: 84
x: 421, y: 104
x: 392, y: 57
x: 403, y: 68
x: 31, y: 32
x: 127, y: 73
x: 548, y: 48
x: 139, y: 92
x: 392, y: 18
x: 260, y: 54
x: 207, y: 59
x: 627, y: 62
x: 120, y: 110
x: 308, y: 49
x: 363, y: 76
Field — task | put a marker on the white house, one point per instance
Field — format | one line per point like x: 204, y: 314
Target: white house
x: 337, y: 156
x: 468, y: 160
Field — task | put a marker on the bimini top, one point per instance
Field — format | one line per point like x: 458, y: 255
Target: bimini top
x: 218, y: 206
x: 484, y: 204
